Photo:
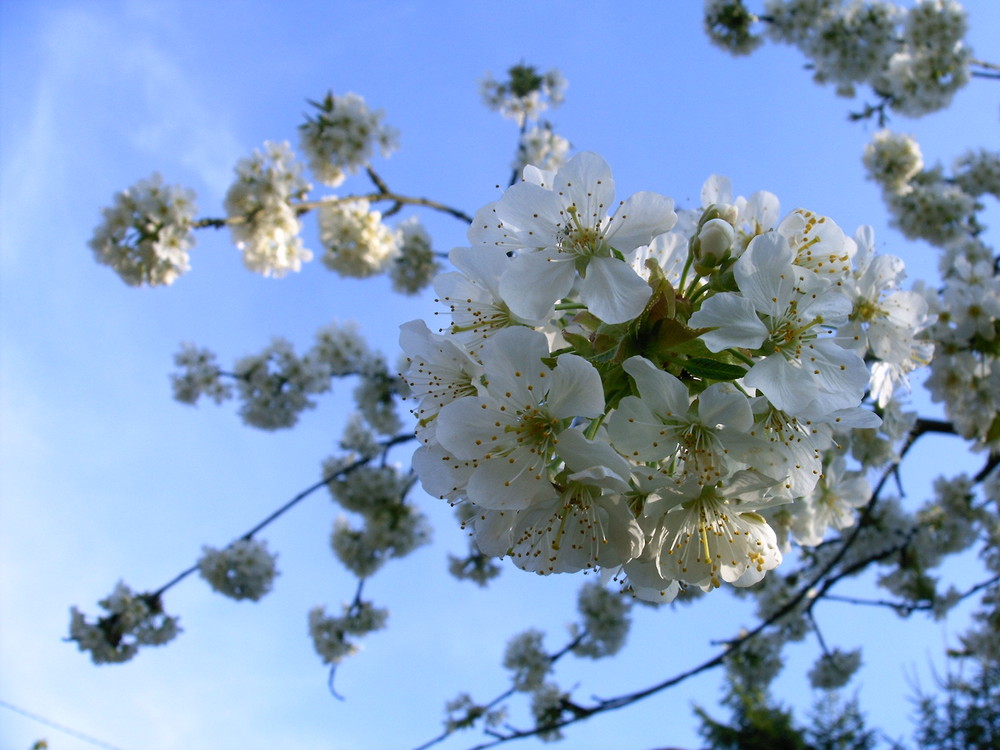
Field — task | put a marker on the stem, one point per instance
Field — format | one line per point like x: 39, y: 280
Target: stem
x: 515, y: 173
x: 376, y: 197
x: 591, y: 432
x: 747, y: 360
x: 813, y: 590
x: 288, y: 506
x: 908, y: 607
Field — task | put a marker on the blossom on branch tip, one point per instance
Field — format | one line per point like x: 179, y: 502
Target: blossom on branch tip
x: 132, y: 620
x: 357, y: 244
x: 263, y: 219
x: 414, y: 265
x: 525, y: 94
x: 243, y: 570
x: 340, y: 138
x: 145, y: 236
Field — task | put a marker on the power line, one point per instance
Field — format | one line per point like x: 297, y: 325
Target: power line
x: 60, y: 727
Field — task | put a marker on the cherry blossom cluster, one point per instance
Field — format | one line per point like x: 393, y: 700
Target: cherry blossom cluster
x: 356, y: 241
x: 146, y: 234
x: 927, y: 203
x: 132, y: 620
x: 914, y: 59
x: 415, y: 263
x: 243, y: 570
x: 965, y: 374
x: 525, y: 93
x: 628, y: 389
x: 263, y: 221
x: 358, y: 244
x: 390, y: 527
x: 276, y: 385
x: 542, y: 147
x: 340, y: 138
x: 200, y: 376
x: 336, y: 637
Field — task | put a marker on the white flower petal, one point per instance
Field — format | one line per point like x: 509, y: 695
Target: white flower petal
x: 613, y: 291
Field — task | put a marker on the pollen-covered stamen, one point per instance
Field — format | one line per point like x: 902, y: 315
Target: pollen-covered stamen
x: 581, y: 239
x: 790, y: 333
x: 867, y: 310
x: 819, y: 244
x: 702, y: 450
x: 478, y: 316
x: 709, y: 539
x: 535, y: 429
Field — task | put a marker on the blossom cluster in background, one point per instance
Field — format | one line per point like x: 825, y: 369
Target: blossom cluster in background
x: 243, y: 570
x: 132, y: 620
x: 268, y: 231
x: 913, y: 58
x: 146, y: 234
x: 341, y: 137
x: 525, y: 93
x: 929, y: 204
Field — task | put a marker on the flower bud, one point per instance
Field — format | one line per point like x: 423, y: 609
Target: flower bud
x: 725, y: 211
x: 712, y: 246
x: 716, y: 238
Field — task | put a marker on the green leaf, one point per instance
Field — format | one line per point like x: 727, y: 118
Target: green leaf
x: 710, y: 369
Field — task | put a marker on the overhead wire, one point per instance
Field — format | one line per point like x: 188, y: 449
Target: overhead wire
x: 60, y: 727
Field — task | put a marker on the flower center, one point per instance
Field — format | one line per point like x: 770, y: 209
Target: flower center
x: 581, y: 240
x: 535, y: 429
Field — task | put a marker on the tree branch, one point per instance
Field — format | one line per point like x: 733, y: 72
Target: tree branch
x: 403, y: 438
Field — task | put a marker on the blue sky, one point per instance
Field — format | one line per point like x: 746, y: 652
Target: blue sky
x: 105, y: 477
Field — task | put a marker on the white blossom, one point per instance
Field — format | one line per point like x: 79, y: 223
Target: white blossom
x: 414, y: 265
x: 331, y: 634
x: 529, y: 662
x: 525, y: 94
x: 781, y: 312
x: 706, y: 534
x: 605, y: 623
x: 341, y: 137
x: 263, y: 220
x: 834, y: 669
x: 275, y: 385
x: 564, y: 235
x: 512, y: 432
x: 831, y: 504
x: 541, y: 147
x: 472, y: 294
x: 132, y: 620
x: 200, y: 375
x: 356, y: 242
x: 892, y: 160
x: 243, y: 570
x: 145, y: 236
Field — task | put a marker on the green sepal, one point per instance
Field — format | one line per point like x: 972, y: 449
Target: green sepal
x: 581, y: 344
x: 993, y: 433
x: 617, y: 383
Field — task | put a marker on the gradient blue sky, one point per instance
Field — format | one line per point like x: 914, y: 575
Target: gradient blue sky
x: 105, y: 477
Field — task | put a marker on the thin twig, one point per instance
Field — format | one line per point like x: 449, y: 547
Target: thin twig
x: 288, y: 506
x: 807, y: 591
